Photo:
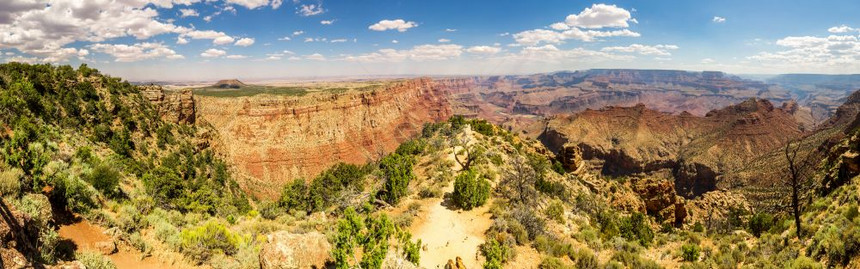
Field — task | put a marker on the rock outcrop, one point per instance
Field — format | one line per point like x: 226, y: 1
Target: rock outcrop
x: 173, y: 106
x: 273, y: 140
x: 622, y: 141
x: 285, y: 250
x: 660, y: 199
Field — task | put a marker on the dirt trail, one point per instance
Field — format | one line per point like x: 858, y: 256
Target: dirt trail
x: 448, y: 233
x: 85, y: 236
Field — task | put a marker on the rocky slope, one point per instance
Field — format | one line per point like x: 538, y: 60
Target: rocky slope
x: 172, y: 106
x: 275, y: 139
x: 694, y: 150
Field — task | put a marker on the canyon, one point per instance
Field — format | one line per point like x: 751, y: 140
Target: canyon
x: 692, y: 126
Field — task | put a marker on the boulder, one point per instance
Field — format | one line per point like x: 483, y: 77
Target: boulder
x: 394, y: 261
x: 287, y: 250
x: 106, y: 247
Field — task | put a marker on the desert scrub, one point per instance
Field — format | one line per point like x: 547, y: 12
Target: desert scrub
x: 555, y: 211
x: 690, y: 252
x: 470, y: 190
x: 200, y: 243
x: 10, y: 182
x: 92, y: 260
x: 496, y: 253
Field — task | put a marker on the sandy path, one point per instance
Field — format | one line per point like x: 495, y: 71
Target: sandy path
x: 85, y: 236
x: 448, y: 233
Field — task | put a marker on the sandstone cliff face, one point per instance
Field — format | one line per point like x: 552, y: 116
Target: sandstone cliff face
x: 272, y: 140
x: 694, y: 150
x: 178, y: 107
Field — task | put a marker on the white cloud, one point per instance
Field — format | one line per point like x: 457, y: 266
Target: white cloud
x: 339, y: 40
x: 483, y: 50
x: 450, y: 30
x: 218, y: 38
x: 580, y: 27
x: 277, y: 3
x: 236, y: 57
x: 417, y: 53
x: 310, y: 10
x: 718, y: 19
x: 309, y: 39
x: 444, y: 40
x: 559, y: 26
x: 244, y: 42
x: 286, y: 38
x: 658, y: 50
x: 395, y: 41
x: 315, y: 57
x: 600, y: 16
x: 326, y: 22
x: 399, y: 24
x: 250, y: 4
x: 136, y: 52
x: 181, y: 41
x: 552, y: 54
x: 298, y: 33
x: 188, y: 12
x: 834, y: 53
x: 213, y: 53
x: 708, y: 61
x: 842, y: 29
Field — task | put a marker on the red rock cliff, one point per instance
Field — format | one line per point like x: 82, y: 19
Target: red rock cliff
x: 275, y: 139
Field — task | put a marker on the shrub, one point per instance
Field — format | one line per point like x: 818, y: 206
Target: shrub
x: 10, y: 182
x: 690, y: 252
x: 803, y: 262
x: 397, y: 171
x: 553, y: 246
x: 760, y: 222
x: 636, y: 228
x: 199, y: 242
x: 496, y: 253
x: 38, y: 208
x: 92, y: 260
x: 295, y: 196
x: 698, y: 227
x: 555, y: 211
x: 78, y: 195
x: 552, y: 263
x: 49, y: 240
x: 104, y: 178
x: 585, y: 259
x: 470, y: 191
x: 411, y: 147
x: 372, y: 233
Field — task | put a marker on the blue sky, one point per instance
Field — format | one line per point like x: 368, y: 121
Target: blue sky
x: 259, y: 39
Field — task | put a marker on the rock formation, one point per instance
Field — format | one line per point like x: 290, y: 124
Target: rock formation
x: 287, y: 250
x: 178, y: 107
x: 694, y: 150
x: 273, y: 140
x: 229, y: 84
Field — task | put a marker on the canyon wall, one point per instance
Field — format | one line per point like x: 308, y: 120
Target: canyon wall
x: 272, y: 140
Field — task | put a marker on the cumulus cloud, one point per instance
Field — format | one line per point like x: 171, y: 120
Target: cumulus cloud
x: 450, y: 30
x: 136, y: 52
x: 583, y: 26
x: 395, y: 41
x: 326, y: 22
x: 444, y: 40
x: 277, y: 3
x: 718, y: 19
x: 339, y: 40
x: 483, y: 50
x: 834, y: 53
x: 250, y: 4
x: 296, y: 33
x: 658, y: 50
x: 244, y: 42
x: 286, y: 38
x: 236, y: 57
x: 417, y: 53
x: 399, y: 24
x: 310, y: 10
x: 181, y: 41
x: 600, y: 16
x: 708, y: 61
x: 213, y: 53
x: 842, y: 29
x: 188, y: 12
x: 552, y: 54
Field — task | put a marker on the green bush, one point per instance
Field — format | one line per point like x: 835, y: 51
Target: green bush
x: 555, y: 211
x: 760, y: 222
x: 553, y: 246
x: 104, y: 178
x: 585, y: 259
x: 397, y: 171
x: 10, y: 182
x: 496, y: 253
x: 78, y: 195
x: 411, y: 147
x: 295, y: 196
x: 552, y: 263
x: 690, y: 252
x: 636, y: 228
x: 371, y: 233
x: 38, y: 208
x: 92, y: 260
x: 804, y: 262
x: 200, y: 243
x: 470, y: 190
